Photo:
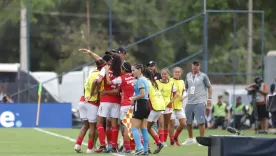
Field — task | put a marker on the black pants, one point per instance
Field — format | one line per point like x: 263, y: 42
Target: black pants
x: 219, y: 121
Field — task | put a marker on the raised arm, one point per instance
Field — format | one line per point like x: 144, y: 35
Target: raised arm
x: 90, y: 53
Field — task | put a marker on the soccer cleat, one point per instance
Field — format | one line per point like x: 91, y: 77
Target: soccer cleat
x: 127, y: 152
x: 114, y: 150
x: 138, y: 152
x: 177, y: 142
x: 149, y: 151
x: 101, y: 149
x: 89, y: 151
x: 189, y: 141
x: 145, y: 153
x: 172, y: 144
x: 159, y: 148
x: 77, y: 148
x: 121, y: 148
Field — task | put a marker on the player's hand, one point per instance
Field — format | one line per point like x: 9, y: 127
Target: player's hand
x: 181, y: 98
x: 209, y: 103
x: 106, y: 69
x: 85, y: 51
x: 87, y: 99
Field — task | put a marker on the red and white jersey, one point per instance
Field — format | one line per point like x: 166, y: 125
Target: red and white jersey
x: 126, y: 83
x: 107, y: 97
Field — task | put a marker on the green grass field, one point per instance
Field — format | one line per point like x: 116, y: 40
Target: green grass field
x: 30, y: 142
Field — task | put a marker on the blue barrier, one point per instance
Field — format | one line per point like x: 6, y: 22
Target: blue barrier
x: 23, y: 115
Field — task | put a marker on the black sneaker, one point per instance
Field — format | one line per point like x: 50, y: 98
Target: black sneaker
x: 145, y: 153
x: 159, y: 148
x: 121, y: 149
x: 138, y: 152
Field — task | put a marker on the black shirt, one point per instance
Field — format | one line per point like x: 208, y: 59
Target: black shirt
x: 157, y: 76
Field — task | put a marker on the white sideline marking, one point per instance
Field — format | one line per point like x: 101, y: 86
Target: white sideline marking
x: 67, y: 138
x: 57, y: 135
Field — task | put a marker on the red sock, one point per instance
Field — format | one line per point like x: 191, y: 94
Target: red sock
x: 177, y: 132
x: 161, y: 135
x: 115, y: 132
x: 166, y: 133
x: 156, y: 139
x: 127, y: 145
x: 132, y: 144
x: 90, y: 144
x: 109, y: 136
x: 172, y: 138
x: 101, y: 133
x: 79, y: 140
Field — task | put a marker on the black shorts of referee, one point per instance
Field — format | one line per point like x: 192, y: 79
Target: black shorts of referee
x: 141, y: 109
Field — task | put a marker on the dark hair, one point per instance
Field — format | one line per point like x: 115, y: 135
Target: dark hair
x: 107, y: 57
x: 272, y: 88
x: 116, y: 65
x: 148, y: 74
x: 127, y: 67
x: 100, y: 63
x: 139, y: 66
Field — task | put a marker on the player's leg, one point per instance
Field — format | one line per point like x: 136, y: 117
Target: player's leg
x: 171, y: 128
x: 92, y: 119
x: 103, y: 113
x: 115, y: 115
x: 84, y: 128
x: 200, y: 117
x: 182, y: 122
x: 161, y: 127
x: 167, y: 118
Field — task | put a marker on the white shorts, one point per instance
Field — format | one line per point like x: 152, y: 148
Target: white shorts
x: 108, y: 109
x: 178, y: 114
x: 167, y: 111
x: 123, y: 111
x: 88, y: 112
x: 154, y: 116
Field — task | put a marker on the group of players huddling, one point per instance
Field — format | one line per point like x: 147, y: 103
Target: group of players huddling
x: 114, y: 87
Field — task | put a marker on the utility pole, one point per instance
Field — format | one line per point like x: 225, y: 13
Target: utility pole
x: 23, y: 38
x: 205, y: 37
x: 88, y: 23
x: 249, y: 45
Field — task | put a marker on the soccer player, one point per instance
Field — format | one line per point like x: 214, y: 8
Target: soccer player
x: 88, y: 108
x: 141, y: 109
x: 178, y: 112
x: 157, y: 104
x: 109, y: 105
x: 168, y: 90
x: 125, y: 83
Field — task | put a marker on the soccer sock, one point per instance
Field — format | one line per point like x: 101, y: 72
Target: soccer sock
x: 90, y: 144
x: 157, y: 140
x: 79, y: 140
x: 132, y: 144
x: 146, y: 139
x: 142, y: 140
x: 109, y: 136
x: 101, y: 133
x: 166, y: 133
x: 137, y: 139
x: 161, y: 135
x: 127, y: 145
x: 177, y: 132
x: 115, y: 131
x: 172, y: 138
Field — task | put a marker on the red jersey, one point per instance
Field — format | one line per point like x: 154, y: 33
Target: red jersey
x: 126, y: 83
x: 82, y: 99
x: 109, y: 98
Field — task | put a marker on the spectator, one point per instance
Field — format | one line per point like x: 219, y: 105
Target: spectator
x: 237, y: 112
x: 209, y: 119
x: 220, y: 113
x: 271, y: 104
x: 153, y: 67
x: 7, y: 99
x: 262, y: 91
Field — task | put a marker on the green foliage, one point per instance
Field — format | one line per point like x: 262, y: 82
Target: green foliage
x: 59, y: 29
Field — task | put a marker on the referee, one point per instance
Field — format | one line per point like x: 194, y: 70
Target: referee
x: 198, y: 86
